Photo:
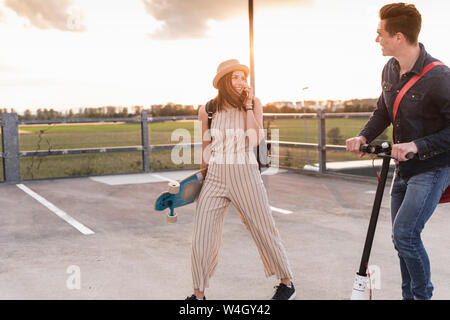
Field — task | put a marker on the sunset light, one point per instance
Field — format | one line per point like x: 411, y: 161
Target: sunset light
x: 117, y: 53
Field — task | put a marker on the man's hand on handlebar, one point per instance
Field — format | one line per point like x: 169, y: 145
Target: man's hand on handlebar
x: 399, y: 152
x: 402, y: 149
x: 353, y: 145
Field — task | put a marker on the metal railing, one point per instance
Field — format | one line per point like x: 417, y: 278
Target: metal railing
x: 11, y: 154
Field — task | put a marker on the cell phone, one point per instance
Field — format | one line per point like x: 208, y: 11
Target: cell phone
x: 243, y: 96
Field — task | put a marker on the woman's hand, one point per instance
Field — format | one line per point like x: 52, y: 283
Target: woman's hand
x: 250, y: 96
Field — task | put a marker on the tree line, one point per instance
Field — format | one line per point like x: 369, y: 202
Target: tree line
x: 172, y: 109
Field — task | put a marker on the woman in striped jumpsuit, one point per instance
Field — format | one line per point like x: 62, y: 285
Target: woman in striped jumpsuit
x: 233, y: 177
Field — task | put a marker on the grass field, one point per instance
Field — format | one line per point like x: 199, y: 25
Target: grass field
x: 68, y: 136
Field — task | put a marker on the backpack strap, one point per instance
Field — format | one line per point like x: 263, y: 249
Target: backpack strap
x: 408, y: 86
x: 210, y: 109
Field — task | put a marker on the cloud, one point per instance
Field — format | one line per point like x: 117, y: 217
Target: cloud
x: 49, y: 14
x: 188, y: 19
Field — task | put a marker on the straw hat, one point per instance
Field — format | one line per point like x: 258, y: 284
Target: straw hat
x: 229, y: 66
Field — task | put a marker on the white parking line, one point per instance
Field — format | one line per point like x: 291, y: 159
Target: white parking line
x: 80, y: 227
x: 283, y: 211
x: 137, y: 178
x: 162, y: 178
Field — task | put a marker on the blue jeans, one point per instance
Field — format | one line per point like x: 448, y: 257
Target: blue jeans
x: 413, y: 201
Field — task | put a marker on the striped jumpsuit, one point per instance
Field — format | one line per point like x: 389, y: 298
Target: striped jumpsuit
x: 233, y: 176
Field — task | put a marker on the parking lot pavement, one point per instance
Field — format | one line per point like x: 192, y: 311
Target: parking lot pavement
x: 132, y: 253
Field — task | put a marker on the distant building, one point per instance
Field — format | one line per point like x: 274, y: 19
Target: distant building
x: 281, y: 104
x: 337, y: 108
x: 317, y: 107
x: 309, y: 103
x: 328, y: 105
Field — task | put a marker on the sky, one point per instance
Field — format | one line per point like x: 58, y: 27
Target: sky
x: 64, y: 54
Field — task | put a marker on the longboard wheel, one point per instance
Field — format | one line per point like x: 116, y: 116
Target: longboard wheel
x: 174, y: 187
x: 171, y: 219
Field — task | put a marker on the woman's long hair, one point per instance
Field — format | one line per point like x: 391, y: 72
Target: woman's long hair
x: 227, y: 94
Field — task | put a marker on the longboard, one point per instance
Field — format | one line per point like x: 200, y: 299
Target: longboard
x: 180, y: 193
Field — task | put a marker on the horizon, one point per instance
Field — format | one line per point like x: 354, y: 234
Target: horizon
x: 119, y: 108
x: 73, y: 53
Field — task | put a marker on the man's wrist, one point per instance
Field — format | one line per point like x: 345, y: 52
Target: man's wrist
x: 363, y: 139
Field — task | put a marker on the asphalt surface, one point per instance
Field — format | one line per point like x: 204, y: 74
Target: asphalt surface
x: 134, y: 254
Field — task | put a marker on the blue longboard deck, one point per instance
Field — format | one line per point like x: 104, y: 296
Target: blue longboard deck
x: 188, y: 192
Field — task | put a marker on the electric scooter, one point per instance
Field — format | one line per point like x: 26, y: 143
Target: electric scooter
x: 384, y: 152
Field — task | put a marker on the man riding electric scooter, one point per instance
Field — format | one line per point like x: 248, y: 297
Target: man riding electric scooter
x: 416, y: 100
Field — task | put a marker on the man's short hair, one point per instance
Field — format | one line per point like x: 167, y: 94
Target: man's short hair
x: 404, y: 18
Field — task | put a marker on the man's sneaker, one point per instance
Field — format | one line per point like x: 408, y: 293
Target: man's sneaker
x: 284, y: 292
x: 194, y: 297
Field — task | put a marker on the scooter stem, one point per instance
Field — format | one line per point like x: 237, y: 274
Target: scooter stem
x: 374, y: 217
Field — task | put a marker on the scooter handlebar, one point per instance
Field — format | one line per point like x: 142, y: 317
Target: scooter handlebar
x: 410, y: 155
x: 385, y: 148
x: 367, y: 148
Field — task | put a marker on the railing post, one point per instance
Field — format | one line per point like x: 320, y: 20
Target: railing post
x: 322, y: 141
x: 10, y: 145
x: 144, y: 139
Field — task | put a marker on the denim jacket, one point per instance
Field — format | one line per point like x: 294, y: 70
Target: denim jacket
x: 423, y: 115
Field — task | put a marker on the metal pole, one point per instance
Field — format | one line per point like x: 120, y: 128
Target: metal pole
x: 145, y: 142
x: 306, y: 128
x: 10, y: 144
x: 252, y: 62
x: 306, y: 140
x: 322, y: 141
